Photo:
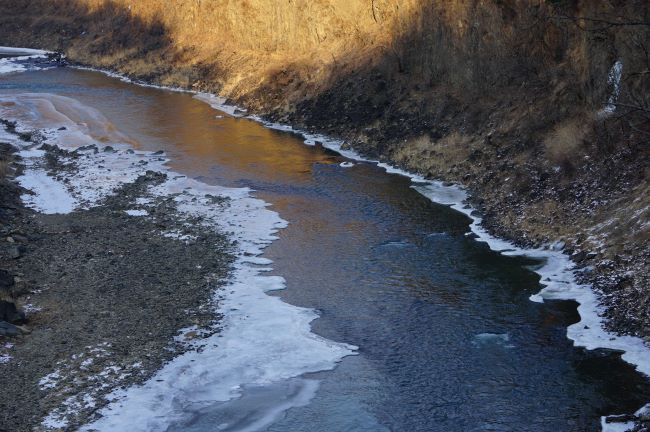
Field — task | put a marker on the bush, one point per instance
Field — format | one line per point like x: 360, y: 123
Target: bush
x: 564, y: 145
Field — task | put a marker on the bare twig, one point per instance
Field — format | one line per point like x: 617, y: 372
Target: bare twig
x: 607, y: 23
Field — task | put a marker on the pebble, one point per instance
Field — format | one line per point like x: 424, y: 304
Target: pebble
x: 14, y: 252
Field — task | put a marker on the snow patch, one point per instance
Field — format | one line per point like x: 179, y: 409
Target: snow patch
x: 492, y: 339
x: 18, y: 60
x: 31, y: 309
x: 614, y: 82
x: 50, y: 381
x: 48, y: 196
x: 624, y: 426
x: 136, y: 212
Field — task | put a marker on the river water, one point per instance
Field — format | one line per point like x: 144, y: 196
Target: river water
x: 448, y: 338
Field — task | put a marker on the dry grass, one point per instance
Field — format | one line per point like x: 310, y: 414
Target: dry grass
x: 427, y: 156
x: 565, y: 144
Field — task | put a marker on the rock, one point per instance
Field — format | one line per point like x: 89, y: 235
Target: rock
x: 7, y: 329
x: 109, y: 149
x: 579, y: 256
x: 62, y: 128
x: 10, y: 313
x: 20, y: 238
x: 6, y: 280
x: 88, y: 147
x: 158, y: 153
x: 21, y: 287
x: 14, y: 252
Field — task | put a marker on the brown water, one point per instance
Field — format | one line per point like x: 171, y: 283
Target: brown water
x: 448, y: 338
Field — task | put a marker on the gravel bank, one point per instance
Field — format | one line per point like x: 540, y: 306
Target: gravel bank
x: 105, y: 295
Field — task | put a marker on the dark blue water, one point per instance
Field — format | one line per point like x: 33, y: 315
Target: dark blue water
x: 448, y: 338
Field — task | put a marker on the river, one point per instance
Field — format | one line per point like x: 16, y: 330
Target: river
x: 448, y: 337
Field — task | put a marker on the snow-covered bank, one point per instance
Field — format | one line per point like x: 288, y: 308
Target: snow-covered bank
x: 14, y: 51
x: 263, y: 340
x: 16, y: 58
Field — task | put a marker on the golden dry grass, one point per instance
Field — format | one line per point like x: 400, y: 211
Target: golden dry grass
x: 564, y: 145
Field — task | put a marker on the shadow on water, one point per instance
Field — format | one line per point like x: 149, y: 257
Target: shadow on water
x: 449, y: 340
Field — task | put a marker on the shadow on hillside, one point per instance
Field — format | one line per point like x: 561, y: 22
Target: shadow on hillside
x: 104, y: 36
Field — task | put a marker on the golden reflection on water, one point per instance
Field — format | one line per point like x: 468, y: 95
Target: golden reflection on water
x: 198, y: 135
x: 78, y: 124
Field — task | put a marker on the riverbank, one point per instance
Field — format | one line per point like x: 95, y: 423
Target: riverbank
x: 104, y: 291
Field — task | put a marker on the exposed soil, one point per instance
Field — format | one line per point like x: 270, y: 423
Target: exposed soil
x: 104, y: 293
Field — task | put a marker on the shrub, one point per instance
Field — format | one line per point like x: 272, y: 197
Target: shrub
x: 564, y: 145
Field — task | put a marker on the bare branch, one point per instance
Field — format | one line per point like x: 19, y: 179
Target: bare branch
x: 605, y: 24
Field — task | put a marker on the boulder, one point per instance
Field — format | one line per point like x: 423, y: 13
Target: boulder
x: 7, y: 329
x: 14, y: 252
x: 21, y: 287
x: 6, y: 280
x: 10, y: 313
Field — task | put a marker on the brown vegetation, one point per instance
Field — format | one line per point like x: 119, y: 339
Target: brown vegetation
x: 565, y: 144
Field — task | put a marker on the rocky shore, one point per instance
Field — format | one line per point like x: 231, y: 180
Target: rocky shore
x: 94, y: 300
